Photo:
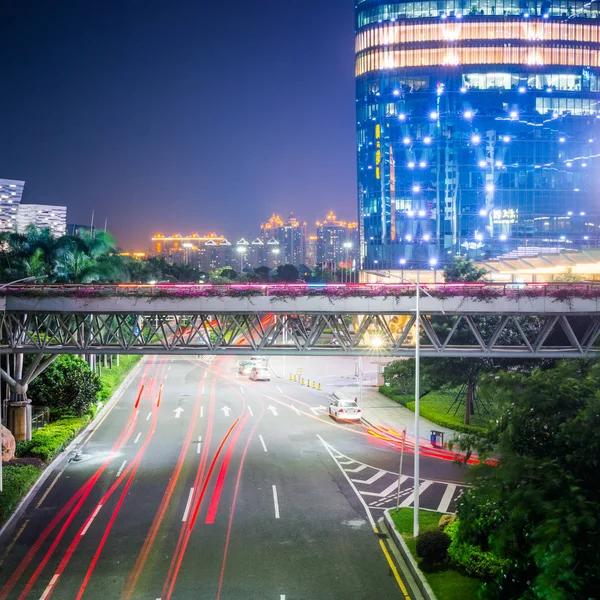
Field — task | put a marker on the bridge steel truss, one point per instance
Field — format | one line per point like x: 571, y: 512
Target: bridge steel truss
x: 377, y: 326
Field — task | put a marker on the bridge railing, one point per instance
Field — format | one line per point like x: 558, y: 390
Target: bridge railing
x: 480, y: 291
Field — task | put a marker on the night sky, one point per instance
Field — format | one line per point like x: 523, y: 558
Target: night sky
x: 180, y: 115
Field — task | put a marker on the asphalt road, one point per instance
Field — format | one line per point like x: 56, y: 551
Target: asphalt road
x: 224, y: 489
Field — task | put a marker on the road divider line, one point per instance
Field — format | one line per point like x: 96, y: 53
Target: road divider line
x: 87, y: 525
x: 260, y: 437
x: 49, y: 587
x: 279, y: 390
x: 201, y: 412
x: 121, y: 468
x: 166, y: 375
x: 250, y: 411
x: 242, y: 388
x: 13, y: 542
x: 137, y: 438
x: 149, y: 416
x: 199, y: 447
x: 394, y: 570
x: 48, y: 491
x: 186, y: 512
x: 202, y: 390
x: 275, y: 502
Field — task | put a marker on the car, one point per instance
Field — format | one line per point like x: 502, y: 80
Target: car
x: 346, y: 410
x: 245, y: 366
x: 260, y: 373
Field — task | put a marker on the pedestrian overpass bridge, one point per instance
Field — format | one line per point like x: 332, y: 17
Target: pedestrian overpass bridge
x: 454, y: 320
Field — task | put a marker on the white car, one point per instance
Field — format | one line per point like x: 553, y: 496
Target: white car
x: 346, y: 410
x: 246, y: 366
x: 260, y: 373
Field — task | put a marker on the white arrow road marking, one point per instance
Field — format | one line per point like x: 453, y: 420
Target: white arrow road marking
x: 446, y: 498
x: 178, y: 412
x: 371, y: 480
x: 87, y: 526
x: 121, y: 468
x: 226, y: 410
x: 137, y: 438
x: 50, y: 586
x: 250, y: 411
x: 260, y: 437
x: 275, y: 502
x: 294, y: 409
x: 272, y: 409
x: 187, y: 506
x: 199, y: 444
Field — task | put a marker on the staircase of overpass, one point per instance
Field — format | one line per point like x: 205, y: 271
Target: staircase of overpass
x: 455, y: 320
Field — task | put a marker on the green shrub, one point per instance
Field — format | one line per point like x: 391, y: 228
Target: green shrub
x: 392, y: 394
x: 22, y: 448
x: 432, y: 546
x: 473, y: 560
x: 16, y: 481
x: 48, y: 441
x: 446, y: 520
x: 112, y: 378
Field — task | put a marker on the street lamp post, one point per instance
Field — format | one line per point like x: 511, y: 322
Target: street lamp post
x: 347, y: 246
x: 242, y: 251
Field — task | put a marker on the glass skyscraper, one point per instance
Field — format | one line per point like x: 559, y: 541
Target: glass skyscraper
x: 478, y: 128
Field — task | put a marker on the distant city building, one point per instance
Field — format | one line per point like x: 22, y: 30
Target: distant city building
x: 204, y: 252
x: 291, y: 236
x: 311, y: 251
x: 337, y: 242
x: 11, y: 192
x: 43, y: 216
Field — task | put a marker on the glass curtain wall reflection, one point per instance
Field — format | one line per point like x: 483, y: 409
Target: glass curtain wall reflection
x: 478, y: 128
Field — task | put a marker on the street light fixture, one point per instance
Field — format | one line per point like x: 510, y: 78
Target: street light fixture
x: 242, y: 251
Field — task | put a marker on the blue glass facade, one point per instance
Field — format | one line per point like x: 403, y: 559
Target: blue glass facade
x: 478, y: 128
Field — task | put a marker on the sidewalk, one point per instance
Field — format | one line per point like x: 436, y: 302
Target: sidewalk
x: 381, y: 411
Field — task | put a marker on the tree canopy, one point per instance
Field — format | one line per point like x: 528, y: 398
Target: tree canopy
x: 462, y: 269
x: 539, y: 507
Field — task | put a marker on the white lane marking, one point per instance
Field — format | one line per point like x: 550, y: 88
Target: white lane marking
x: 199, y: 444
x: 361, y: 499
x: 169, y: 368
x: 241, y: 388
x: 121, y: 468
x: 357, y: 470
x: 204, y: 373
x: 178, y: 412
x: 49, y: 587
x: 260, y: 437
x: 411, y: 497
x: 250, y: 411
x: 295, y: 409
x: 279, y: 390
x: 446, y: 498
x: 166, y: 375
x: 149, y: 415
x: 226, y: 410
x: 371, y: 480
x: 87, y: 526
x: 201, y: 411
x: 137, y: 438
x: 388, y: 490
x: 275, y: 502
x: 203, y: 389
x: 187, y: 506
x: 272, y: 409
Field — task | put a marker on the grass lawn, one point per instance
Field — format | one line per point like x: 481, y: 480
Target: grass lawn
x: 447, y: 584
x: 111, y: 379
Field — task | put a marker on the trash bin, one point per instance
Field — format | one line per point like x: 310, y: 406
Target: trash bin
x: 437, y: 438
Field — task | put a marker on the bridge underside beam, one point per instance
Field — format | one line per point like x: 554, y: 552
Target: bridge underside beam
x: 325, y: 334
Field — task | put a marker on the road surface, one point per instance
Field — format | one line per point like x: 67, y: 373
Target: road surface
x: 216, y: 487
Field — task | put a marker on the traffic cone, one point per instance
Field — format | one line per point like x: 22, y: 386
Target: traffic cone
x: 314, y: 385
x: 319, y: 387
x: 303, y: 381
x: 308, y: 383
x: 290, y: 376
x: 295, y: 379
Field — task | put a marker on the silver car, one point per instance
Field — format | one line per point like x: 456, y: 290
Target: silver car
x: 346, y: 410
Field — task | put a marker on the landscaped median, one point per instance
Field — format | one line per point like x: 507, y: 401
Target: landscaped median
x: 32, y: 457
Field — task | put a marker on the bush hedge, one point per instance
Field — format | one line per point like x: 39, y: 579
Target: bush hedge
x: 432, y: 546
x: 473, y: 560
x: 17, y: 480
x: 393, y: 394
x: 48, y: 441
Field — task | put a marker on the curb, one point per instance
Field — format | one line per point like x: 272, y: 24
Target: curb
x: 8, y: 527
x: 417, y: 574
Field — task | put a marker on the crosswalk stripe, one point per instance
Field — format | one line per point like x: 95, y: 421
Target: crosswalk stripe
x: 388, y: 490
x: 372, y: 479
x: 410, y: 499
x: 446, y: 498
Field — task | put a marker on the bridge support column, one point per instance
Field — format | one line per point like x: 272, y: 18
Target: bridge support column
x: 19, y: 420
